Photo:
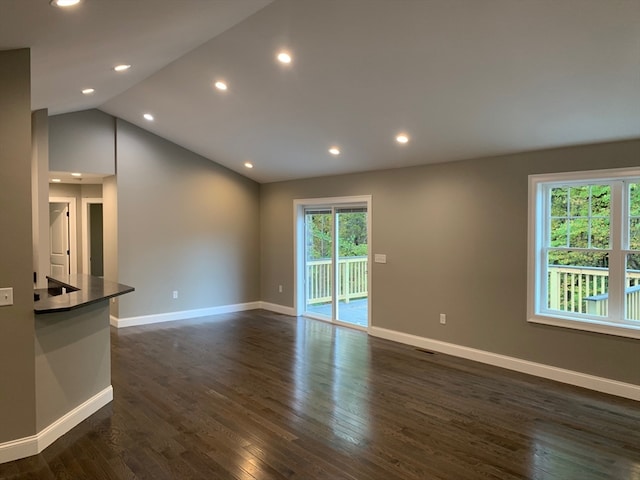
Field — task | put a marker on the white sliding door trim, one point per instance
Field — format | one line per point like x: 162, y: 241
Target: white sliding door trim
x: 299, y: 237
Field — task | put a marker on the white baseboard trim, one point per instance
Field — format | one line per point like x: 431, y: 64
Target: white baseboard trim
x: 17, y: 449
x: 274, y: 307
x: 599, y: 384
x: 61, y: 426
x: 182, y: 315
x: 28, y: 446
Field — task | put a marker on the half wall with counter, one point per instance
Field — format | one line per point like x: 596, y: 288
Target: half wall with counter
x: 72, y: 352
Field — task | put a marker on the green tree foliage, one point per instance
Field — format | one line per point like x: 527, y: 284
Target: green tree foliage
x: 580, y: 219
x: 634, y: 214
x: 352, y: 233
x: 319, y: 244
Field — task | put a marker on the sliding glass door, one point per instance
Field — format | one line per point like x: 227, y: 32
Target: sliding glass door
x: 336, y: 263
x: 319, y: 249
x: 353, y: 253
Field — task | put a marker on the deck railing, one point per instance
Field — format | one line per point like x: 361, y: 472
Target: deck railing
x: 352, y: 273
x: 571, y: 289
x: 585, y: 290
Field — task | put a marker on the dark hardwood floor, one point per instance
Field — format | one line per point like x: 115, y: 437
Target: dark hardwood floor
x: 257, y: 395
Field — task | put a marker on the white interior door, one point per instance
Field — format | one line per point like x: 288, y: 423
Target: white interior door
x: 59, y: 250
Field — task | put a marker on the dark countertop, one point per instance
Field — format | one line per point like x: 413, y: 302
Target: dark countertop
x: 86, y: 290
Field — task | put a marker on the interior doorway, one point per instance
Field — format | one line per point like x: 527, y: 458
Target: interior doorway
x: 92, y: 237
x: 62, y: 236
x: 332, y: 259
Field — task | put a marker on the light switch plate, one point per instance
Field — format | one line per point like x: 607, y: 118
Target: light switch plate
x: 6, y: 296
x: 380, y: 258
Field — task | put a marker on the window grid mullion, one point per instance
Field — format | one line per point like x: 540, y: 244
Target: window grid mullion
x: 545, y: 240
x: 617, y: 257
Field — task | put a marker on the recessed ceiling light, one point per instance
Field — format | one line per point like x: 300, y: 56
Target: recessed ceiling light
x: 122, y: 68
x: 402, y: 138
x: 56, y: 180
x: 64, y: 3
x: 284, y: 57
x: 76, y: 174
x: 248, y: 164
x: 334, y: 151
x: 220, y: 85
x: 148, y: 116
x: 88, y: 91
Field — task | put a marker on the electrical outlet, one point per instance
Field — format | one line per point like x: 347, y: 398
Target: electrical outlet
x: 175, y: 294
x: 279, y: 288
x: 443, y: 318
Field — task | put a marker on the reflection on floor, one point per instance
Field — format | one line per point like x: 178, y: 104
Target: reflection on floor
x: 255, y: 395
x: 353, y: 312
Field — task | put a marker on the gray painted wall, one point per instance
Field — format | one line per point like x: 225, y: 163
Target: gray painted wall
x: 173, y: 219
x: 82, y: 142
x: 455, y: 236
x: 73, y: 360
x: 17, y: 371
x: 185, y: 224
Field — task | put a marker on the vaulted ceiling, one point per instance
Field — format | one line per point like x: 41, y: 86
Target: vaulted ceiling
x: 462, y: 78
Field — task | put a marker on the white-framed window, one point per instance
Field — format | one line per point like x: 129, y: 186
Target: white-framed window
x: 584, y: 251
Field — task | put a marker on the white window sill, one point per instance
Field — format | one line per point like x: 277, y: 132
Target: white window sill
x: 589, y: 325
